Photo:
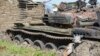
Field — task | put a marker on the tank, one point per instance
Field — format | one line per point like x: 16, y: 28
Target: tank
x: 58, y: 31
x: 69, y: 20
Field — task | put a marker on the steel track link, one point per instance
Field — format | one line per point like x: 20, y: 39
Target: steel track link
x: 43, y: 34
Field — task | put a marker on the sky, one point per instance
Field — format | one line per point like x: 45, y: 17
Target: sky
x: 58, y: 1
x: 49, y: 4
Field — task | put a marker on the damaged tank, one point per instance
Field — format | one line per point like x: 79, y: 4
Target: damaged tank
x: 57, y: 31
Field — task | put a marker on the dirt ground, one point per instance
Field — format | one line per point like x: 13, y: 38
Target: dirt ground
x: 8, y: 14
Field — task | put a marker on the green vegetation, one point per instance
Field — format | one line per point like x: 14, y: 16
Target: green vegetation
x: 10, y: 49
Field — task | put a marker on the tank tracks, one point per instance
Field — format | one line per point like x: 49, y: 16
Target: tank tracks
x: 89, y: 33
x: 48, y: 36
x: 39, y: 33
x: 46, y: 33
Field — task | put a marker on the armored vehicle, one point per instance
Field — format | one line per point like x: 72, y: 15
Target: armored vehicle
x: 58, y: 30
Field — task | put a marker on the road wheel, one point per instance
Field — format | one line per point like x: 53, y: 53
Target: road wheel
x: 62, y: 48
x: 28, y: 41
x: 18, y: 39
x: 50, y: 46
x: 39, y: 43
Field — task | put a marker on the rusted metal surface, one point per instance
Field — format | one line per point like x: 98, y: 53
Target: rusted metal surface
x: 41, y: 33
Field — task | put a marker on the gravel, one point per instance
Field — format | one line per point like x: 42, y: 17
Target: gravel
x: 87, y: 48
